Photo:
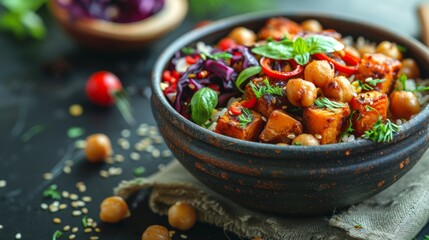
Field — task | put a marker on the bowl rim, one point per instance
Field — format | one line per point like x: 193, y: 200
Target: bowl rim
x: 193, y: 36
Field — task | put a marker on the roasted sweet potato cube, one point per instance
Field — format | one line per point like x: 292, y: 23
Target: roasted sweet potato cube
x: 379, y: 66
x: 280, y: 127
x: 329, y: 124
x: 267, y: 103
x: 370, y: 106
x: 278, y: 28
x: 230, y: 125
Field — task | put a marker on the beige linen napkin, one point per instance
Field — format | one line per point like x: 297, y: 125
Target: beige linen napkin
x: 398, y: 212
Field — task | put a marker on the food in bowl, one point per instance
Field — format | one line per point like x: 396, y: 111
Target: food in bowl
x: 295, y: 84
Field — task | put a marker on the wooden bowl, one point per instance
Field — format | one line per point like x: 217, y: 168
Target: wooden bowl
x: 297, y: 180
x: 104, y: 35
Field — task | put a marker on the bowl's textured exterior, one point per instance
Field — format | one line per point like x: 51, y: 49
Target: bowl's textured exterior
x: 290, y: 179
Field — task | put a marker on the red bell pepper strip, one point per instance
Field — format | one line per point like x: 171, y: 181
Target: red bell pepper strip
x: 249, y: 103
x: 266, y: 68
x: 235, y: 110
x: 347, y: 58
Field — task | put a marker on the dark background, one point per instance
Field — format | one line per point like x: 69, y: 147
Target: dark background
x: 39, y: 80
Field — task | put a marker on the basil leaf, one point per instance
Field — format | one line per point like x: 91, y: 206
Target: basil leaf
x: 320, y: 43
x: 302, y: 59
x: 300, y: 46
x: 187, y: 50
x: 246, y: 74
x: 276, y: 50
x: 203, y: 103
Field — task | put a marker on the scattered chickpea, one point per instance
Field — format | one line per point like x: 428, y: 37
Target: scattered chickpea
x: 98, y: 148
x: 319, y: 72
x: 182, y: 216
x: 156, y: 232
x: 410, y: 68
x: 389, y: 49
x: 404, y: 104
x: 243, y: 36
x: 301, y: 93
x: 305, y: 140
x: 339, y: 89
x: 113, y: 209
x: 312, y: 25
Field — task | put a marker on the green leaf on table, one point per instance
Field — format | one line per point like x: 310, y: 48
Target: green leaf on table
x: 75, y: 132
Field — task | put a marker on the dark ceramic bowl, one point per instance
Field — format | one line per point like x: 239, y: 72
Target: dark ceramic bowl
x: 289, y: 179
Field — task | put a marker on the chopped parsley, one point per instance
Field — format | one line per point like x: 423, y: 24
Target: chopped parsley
x: 52, y: 192
x: 382, y: 132
x: 369, y: 83
x: 245, y: 117
x: 324, y: 102
x: 85, y: 221
x: 187, y: 50
x: 57, y: 234
x: 139, y: 171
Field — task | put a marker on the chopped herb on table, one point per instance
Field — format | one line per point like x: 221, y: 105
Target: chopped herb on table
x: 52, y: 192
x: 57, y: 234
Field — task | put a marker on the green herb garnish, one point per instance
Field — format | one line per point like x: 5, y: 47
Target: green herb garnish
x: 52, y: 192
x: 139, y: 171
x: 246, y: 74
x: 216, y: 56
x: 403, y: 79
x: 32, y: 132
x: 75, y: 132
x: 369, y: 84
x: 382, y: 132
x: 401, y: 48
x: 187, y: 50
x: 324, y: 102
x: 299, y: 49
x: 85, y: 221
x: 267, y: 89
x: 245, y: 117
x: 203, y: 103
x: 349, y: 129
x: 57, y: 234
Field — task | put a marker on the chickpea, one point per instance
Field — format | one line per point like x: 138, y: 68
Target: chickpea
x: 113, y: 209
x: 410, y: 68
x: 319, y: 72
x: 404, y: 104
x: 339, y: 89
x: 182, y: 216
x: 243, y: 36
x: 312, y: 25
x: 389, y: 49
x: 301, y: 93
x: 156, y: 232
x: 98, y: 147
x: 305, y: 140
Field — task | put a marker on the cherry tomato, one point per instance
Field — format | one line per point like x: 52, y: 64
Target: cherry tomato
x: 226, y: 43
x: 191, y: 60
x: 101, y: 86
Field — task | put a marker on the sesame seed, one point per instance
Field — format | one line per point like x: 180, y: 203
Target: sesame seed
x: 109, y: 160
x: 291, y: 136
x: 87, y: 230
x: 183, y: 236
x: 158, y: 139
x: 62, y: 206
x: 67, y: 169
x: 66, y: 228
x: 166, y: 153
x: 84, y: 210
x: 74, y: 196
x: 18, y: 236
x: 104, y: 174
x: 94, y: 238
x: 76, y: 213
x: 44, y: 206
x: 97, y: 230
x: 156, y: 153
x: 264, y: 119
x: 124, y: 143
x: 81, y: 186
x: 135, y: 156
x: 77, y: 204
x: 1, y: 226
x: 56, y: 220
x: 52, y: 208
x: 75, y: 110
x: 113, y: 171
x: 3, y: 183
x: 86, y: 199
x: 119, y: 158
x: 318, y: 136
x: 125, y: 133
x: 65, y: 194
x: 72, y: 236
x: 75, y: 229
x: 47, y: 176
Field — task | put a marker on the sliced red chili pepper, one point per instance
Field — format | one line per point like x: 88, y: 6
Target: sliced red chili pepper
x: 191, y: 60
x: 347, y: 69
x: 266, y: 67
x: 226, y: 43
x: 175, y: 74
x: 235, y: 110
x: 249, y: 103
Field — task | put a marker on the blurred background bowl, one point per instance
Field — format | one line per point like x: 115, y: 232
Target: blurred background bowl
x: 104, y: 35
x: 294, y: 180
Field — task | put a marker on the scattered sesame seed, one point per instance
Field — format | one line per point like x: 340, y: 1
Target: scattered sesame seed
x: 72, y: 236
x: 126, y: 133
x: 264, y: 119
x: 291, y: 136
x: 156, y: 153
x: 44, y: 206
x: 119, y: 158
x: 86, y: 199
x: 3, y: 183
x: 77, y: 204
x: 75, y: 110
x: 135, y: 156
x: 124, y: 143
x: 67, y: 169
x: 318, y: 136
x: 62, y: 206
x: 47, y: 176
x: 81, y: 186
x: 1, y: 226
x: 75, y: 229
x: 166, y: 153
x: 76, y: 213
x: 84, y: 210
x: 114, y: 171
x: 93, y: 238
x: 87, y: 230
x: 183, y: 236
x: 104, y: 174
x: 66, y: 228
x: 18, y: 236
x: 97, y: 230
x: 109, y: 160
x: 65, y: 194
x: 74, y: 196
x: 53, y: 208
x: 158, y: 139
x: 56, y: 220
